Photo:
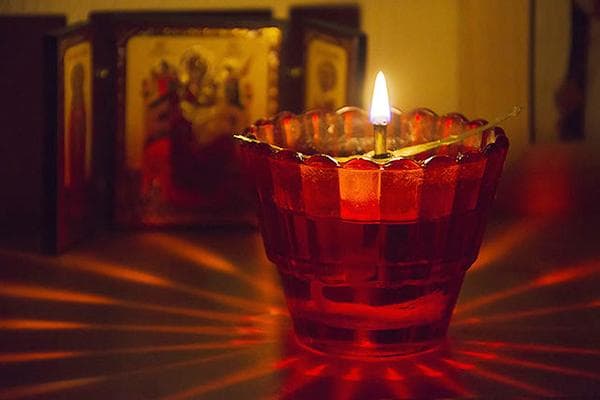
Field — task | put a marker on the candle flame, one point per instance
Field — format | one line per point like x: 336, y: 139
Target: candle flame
x: 380, y: 103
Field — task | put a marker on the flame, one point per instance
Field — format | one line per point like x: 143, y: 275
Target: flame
x: 380, y: 103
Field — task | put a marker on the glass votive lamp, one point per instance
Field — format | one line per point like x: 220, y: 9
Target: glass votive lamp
x: 371, y: 253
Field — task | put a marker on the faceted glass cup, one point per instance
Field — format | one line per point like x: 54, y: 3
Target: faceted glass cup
x: 371, y: 254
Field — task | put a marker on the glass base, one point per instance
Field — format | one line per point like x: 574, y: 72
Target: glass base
x: 371, y: 319
x: 367, y: 350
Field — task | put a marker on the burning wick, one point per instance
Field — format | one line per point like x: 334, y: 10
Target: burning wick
x: 380, y: 115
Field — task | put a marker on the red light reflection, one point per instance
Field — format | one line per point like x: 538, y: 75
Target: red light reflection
x: 46, y: 388
x: 34, y: 292
x: 562, y: 275
x: 509, y: 381
x: 34, y: 324
x: 498, y: 246
x: 126, y: 273
x: 26, y: 391
x: 533, y: 365
x: 395, y: 383
x: 438, y: 373
x: 187, y: 347
x: 302, y: 377
x: 509, y: 316
x: 451, y: 384
x: 229, y: 380
x: 533, y: 347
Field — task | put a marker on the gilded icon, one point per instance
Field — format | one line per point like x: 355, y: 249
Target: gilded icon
x: 326, y: 75
x: 185, y: 95
x: 76, y: 166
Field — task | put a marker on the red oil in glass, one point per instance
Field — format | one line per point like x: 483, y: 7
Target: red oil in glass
x: 370, y: 289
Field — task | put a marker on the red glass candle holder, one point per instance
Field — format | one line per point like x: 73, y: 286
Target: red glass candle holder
x: 371, y: 254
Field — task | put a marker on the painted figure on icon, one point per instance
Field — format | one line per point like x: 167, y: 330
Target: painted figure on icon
x: 327, y: 79
x: 74, y: 147
x: 190, y: 111
x: 75, y: 150
x: 75, y: 170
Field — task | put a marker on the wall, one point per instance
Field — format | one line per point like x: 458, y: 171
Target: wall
x: 77, y: 10
x: 552, y: 36
x: 493, y: 59
x: 448, y: 55
x: 420, y: 71
x: 414, y: 43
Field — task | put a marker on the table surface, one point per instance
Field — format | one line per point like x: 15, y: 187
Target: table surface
x: 181, y: 315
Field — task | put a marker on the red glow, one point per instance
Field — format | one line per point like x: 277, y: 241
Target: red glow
x: 355, y: 374
x: 429, y: 372
x: 53, y: 355
x: 567, y: 274
x: 207, y: 258
x: 269, y: 132
x: 526, y: 313
x: 225, y: 381
x: 316, y: 131
x: 57, y: 386
x: 484, y: 356
x: 399, y: 390
x: 534, y: 365
x: 46, y: 388
x: 562, y: 275
x: 459, y: 365
x: 347, y: 125
x: 128, y: 274
x: 498, y: 246
x: 112, y: 270
x: 301, y: 378
x: 316, y: 371
x: 193, y: 251
x: 442, y: 378
x: 43, y: 293
x: 223, y: 344
x: 37, y: 356
x: 347, y: 383
x: 35, y: 324
x: 506, y: 380
x: 392, y: 375
x: 537, y: 194
x: 534, y: 347
x: 287, y: 127
x: 190, y: 312
x: 285, y: 363
x: 395, y: 383
x: 9, y: 289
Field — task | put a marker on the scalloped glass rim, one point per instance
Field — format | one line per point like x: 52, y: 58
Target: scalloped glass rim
x: 365, y: 160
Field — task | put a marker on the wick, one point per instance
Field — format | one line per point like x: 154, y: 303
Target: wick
x: 380, y: 131
x: 419, y: 148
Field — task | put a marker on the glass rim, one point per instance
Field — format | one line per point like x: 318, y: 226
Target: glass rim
x: 394, y: 161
